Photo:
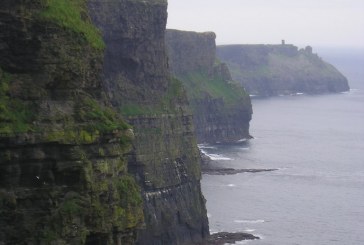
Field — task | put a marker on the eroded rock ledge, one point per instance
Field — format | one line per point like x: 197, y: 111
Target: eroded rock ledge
x: 222, y: 238
x: 232, y: 171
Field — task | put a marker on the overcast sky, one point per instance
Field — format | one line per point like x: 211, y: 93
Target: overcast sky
x: 320, y: 23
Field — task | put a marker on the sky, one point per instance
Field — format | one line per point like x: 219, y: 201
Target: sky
x: 323, y: 23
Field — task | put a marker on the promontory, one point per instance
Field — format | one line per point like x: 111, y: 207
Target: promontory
x: 269, y: 70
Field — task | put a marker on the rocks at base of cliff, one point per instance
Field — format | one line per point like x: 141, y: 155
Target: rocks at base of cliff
x: 270, y: 70
x: 208, y: 167
x: 221, y: 108
x: 232, y: 171
x: 222, y: 238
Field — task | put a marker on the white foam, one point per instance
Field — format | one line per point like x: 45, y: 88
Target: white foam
x: 299, y: 93
x: 218, y: 157
x: 242, y: 140
x: 253, y: 95
x: 215, y: 157
x: 258, y: 221
x: 209, y: 215
x: 203, y: 152
x: 231, y: 185
x: 249, y: 230
x: 205, y: 146
x: 209, y: 147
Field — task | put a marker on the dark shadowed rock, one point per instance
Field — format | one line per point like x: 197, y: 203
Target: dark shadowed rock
x: 63, y: 174
x: 72, y: 171
x: 165, y: 158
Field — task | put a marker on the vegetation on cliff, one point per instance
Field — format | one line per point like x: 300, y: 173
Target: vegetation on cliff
x: 200, y: 85
x: 166, y: 104
x: 72, y: 15
x: 72, y: 171
x: 63, y: 175
x: 267, y: 70
x: 15, y: 116
x: 222, y: 108
x: 165, y: 156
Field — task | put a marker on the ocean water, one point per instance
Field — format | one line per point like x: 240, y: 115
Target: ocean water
x: 317, y: 194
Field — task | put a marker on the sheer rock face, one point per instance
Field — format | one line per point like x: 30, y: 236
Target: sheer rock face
x: 63, y: 174
x: 165, y: 158
x: 269, y: 70
x: 222, y: 109
x: 191, y: 52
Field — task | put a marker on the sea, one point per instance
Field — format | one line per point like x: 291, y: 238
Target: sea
x: 316, y: 143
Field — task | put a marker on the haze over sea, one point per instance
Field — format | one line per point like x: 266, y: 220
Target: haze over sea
x: 317, y: 144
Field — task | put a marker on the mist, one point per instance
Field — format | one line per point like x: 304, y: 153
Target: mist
x: 328, y: 23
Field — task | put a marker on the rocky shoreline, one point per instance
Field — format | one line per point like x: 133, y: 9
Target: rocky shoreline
x: 232, y: 171
x: 222, y: 238
x: 209, y: 169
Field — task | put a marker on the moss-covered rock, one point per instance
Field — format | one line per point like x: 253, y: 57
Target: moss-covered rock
x: 63, y: 174
x: 16, y: 116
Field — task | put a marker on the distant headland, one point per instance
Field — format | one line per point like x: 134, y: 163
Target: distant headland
x: 282, y: 69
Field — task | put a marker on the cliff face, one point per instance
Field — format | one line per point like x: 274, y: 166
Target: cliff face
x: 222, y: 109
x: 63, y: 176
x: 165, y: 158
x: 268, y: 70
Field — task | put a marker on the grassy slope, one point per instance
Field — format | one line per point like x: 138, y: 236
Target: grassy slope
x: 283, y: 67
x: 199, y: 84
x: 70, y: 14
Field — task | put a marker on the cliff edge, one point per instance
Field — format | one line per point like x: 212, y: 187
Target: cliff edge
x: 96, y: 142
x: 222, y: 109
x: 269, y: 70
x: 165, y: 158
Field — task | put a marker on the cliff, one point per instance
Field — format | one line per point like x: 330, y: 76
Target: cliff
x: 72, y: 170
x: 165, y: 158
x: 63, y: 176
x: 221, y: 108
x: 268, y: 70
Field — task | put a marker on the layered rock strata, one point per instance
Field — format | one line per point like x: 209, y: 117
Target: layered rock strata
x: 221, y: 108
x: 165, y: 158
x: 269, y: 70
x: 63, y: 174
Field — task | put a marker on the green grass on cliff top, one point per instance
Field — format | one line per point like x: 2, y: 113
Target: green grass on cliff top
x: 72, y: 14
